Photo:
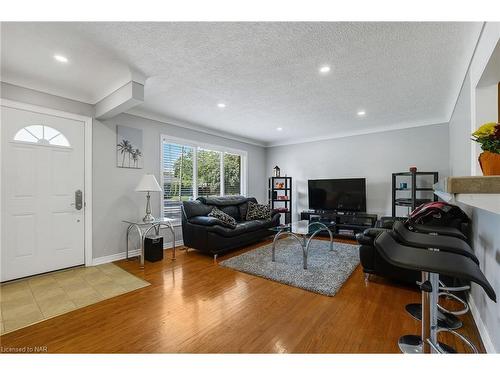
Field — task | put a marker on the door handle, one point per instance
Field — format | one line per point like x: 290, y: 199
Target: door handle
x: 78, y: 199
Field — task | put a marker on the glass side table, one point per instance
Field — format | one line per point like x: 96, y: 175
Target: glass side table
x: 143, y: 229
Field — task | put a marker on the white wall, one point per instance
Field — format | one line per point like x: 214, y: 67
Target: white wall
x: 373, y: 156
x: 475, y: 106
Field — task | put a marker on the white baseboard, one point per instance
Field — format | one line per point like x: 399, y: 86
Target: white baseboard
x: 483, y: 332
x: 122, y: 255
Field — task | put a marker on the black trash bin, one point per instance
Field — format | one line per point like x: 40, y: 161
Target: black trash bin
x: 153, y: 248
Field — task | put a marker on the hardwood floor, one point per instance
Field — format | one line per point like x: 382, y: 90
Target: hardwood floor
x: 196, y: 306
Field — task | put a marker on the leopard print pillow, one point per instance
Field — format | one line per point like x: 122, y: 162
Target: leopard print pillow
x: 226, y: 219
x: 258, y: 211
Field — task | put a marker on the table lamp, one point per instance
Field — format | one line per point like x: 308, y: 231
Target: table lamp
x: 148, y: 184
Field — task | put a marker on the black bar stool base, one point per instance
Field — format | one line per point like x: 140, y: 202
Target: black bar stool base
x: 412, y: 344
x: 445, y: 320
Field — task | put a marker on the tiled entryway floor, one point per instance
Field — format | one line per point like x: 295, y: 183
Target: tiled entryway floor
x: 37, y: 298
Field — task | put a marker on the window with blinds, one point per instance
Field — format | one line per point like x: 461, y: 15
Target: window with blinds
x: 177, y: 178
x: 232, y: 174
x: 190, y: 171
x: 208, y: 172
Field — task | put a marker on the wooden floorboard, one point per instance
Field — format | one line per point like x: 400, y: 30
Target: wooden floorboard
x: 193, y: 305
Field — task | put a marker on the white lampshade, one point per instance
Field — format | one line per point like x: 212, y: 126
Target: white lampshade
x: 148, y: 183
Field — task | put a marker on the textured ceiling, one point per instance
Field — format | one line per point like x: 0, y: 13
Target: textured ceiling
x: 401, y: 74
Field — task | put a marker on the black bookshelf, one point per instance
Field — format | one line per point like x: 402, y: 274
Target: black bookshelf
x: 415, y: 195
x: 274, y: 193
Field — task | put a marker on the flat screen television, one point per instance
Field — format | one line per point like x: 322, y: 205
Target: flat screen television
x: 345, y: 194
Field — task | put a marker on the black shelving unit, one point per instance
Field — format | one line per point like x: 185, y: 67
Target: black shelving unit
x: 411, y: 201
x: 274, y: 193
x: 347, y: 224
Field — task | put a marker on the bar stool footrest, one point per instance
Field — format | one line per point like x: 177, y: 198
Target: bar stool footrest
x: 412, y: 344
x: 445, y: 320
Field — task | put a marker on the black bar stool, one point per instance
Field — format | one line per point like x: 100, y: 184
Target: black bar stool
x: 446, y: 318
x: 442, y: 231
x: 431, y: 264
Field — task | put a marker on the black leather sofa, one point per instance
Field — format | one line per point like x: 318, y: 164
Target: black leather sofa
x: 207, y: 234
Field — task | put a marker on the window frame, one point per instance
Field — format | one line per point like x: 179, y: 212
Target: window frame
x: 207, y: 146
x: 37, y: 143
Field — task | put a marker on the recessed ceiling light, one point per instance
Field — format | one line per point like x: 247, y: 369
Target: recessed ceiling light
x: 361, y: 113
x: 221, y: 105
x: 279, y: 129
x: 61, y: 58
x: 324, y: 69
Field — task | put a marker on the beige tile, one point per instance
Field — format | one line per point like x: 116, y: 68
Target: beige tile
x: 82, y: 290
x: 86, y: 300
x: 97, y: 278
x: 41, y: 281
x: 63, y: 274
x: 22, y: 321
x: 71, y: 282
x: 51, y: 291
x: 29, y: 301
x: 109, y: 289
x: 56, y: 306
x: 85, y: 271
x: 14, y: 294
x: 107, y: 267
x: 13, y: 309
x: 75, y: 287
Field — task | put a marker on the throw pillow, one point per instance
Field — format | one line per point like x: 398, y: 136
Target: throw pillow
x: 226, y: 219
x: 258, y: 211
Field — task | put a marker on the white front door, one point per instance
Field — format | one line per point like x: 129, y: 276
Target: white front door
x: 42, y: 172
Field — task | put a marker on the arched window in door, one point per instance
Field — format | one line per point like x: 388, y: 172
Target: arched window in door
x: 43, y: 135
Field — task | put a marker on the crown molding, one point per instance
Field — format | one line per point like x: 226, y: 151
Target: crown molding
x: 187, y: 125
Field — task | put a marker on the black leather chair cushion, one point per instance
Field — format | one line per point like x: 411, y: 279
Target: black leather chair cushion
x: 443, y: 231
x: 231, y: 200
x: 205, y: 220
x: 232, y: 211
x: 241, y: 228
x: 444, y: 243
x: 195, y: 208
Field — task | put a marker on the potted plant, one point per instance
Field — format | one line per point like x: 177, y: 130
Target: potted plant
x: 488, y: 136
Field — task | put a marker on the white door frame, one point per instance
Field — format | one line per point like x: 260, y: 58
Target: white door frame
x: 87, y: 163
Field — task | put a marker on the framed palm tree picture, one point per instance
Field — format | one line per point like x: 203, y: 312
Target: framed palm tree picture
x: 129, y: 147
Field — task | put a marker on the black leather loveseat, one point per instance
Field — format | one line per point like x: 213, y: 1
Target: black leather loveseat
x: 207, y: 234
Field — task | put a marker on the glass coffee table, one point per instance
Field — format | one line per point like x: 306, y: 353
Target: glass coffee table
x: 303, y: 231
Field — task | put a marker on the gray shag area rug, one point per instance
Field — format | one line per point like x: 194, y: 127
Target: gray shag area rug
x: 326, y: 273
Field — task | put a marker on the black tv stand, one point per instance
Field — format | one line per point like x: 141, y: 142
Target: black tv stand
x: 348, y: 223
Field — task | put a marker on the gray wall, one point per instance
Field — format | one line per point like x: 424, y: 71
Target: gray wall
x: 113, y: 193
x: 486, y: 225
x: 373, y: 156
